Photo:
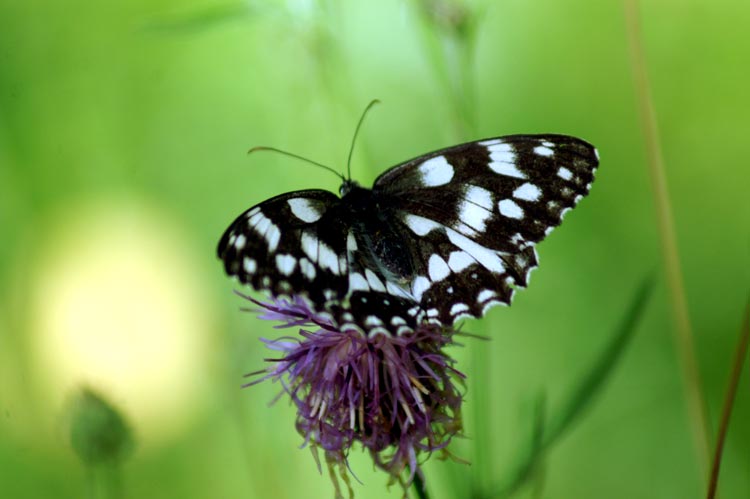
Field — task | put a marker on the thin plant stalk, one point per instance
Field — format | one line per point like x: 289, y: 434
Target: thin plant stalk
x: 683, y: 339
x: 740, y: 354
x: 419, y: 487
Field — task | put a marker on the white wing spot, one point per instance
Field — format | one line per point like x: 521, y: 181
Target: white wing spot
x: 436, y: 171
x: 419, y: 225
x: 564, y: 173
x: 310, y: 245
x: 527, y: 192
x: 503, y: 160
x: 373, y: 321
x: 255, y: 218
x: 240, y: 241
x: 486, y: 294
x: 459, y: 308
x: 286, y: 264
x: 373, y: 281
x: 459, y: 260
x: 564, y: 212
x: 249, y: 265
x: 493, y: 303
x: 272, y: 237
x: 357, y: 282
x: 378, y: 331
x: 304, y: 209
x: 476, y: 208
x: 437, y: 268
x: 547, y: 143
x: 397, y: 321
x: 484, y: 256
x: 543, y: 151
x: 261, y: 224
x: 510, y: 209
x: 419, y: 285
x: 479, y: 196
x: 351, y: 242
x: 328, y: 258
x: 307, y: 268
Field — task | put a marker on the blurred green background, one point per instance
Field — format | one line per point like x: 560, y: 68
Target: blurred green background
x: 123, y: 132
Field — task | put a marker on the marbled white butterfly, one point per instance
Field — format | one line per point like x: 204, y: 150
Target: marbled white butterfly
x: 443, y: 236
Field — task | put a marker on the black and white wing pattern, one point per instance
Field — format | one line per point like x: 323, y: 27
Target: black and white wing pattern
x: 443, y: 236
x: 291, y: 245
x: 475, y: 212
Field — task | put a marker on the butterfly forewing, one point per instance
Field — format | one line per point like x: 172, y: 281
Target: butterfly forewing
x: 292, y: 244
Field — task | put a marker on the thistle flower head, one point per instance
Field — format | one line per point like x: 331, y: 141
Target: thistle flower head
x: 394, y: 395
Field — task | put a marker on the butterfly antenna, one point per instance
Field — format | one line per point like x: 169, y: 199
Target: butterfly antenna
x: 354, y: 139
x: 292, y: 155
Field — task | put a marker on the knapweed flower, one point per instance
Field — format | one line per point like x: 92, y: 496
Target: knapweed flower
x: 394, y: 395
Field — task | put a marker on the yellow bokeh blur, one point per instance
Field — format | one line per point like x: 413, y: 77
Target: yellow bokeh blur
x: 116, y: 305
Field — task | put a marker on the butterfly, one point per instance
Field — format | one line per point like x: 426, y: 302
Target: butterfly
x: 443, y: 236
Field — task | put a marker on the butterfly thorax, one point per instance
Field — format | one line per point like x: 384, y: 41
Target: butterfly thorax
x: 378, y: 241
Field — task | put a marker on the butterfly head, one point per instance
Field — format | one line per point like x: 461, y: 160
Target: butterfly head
x: 347, y: 187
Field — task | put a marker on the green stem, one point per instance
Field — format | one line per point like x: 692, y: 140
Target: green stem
x: 683, y: 339
x: 739, y: 357
x: 419, y: 487
x: 90, y: 482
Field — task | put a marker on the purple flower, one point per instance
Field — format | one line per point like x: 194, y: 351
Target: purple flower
x: 395, y: 395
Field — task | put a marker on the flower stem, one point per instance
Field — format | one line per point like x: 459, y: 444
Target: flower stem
x: 739, y: 357
x: 683, y: 339
x: 419, y: 487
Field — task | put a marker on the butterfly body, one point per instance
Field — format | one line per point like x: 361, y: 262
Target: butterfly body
x: 443, y: 236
